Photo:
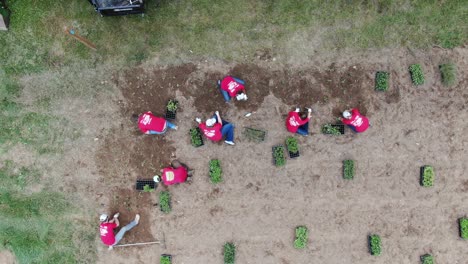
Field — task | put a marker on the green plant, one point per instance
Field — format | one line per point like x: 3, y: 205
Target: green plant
x: 427, y: 259
x: 165, y: 260
x: 464, y: 228
x: 302, y: 236
x: 291, y: 144
x: 448, y: 73
x: 375, y: 245
x: 229, y: 253
x: 195, y: 137
x: 381, y: 81
x: 348, y: 169
x: 165, y: 201
x: 215, y: 171
x: 147, y: 188
x: 427, y: 177
x: 278, y: 154
x: 172, y: 105
x: 254, y: 134
x: 331, y: 130
x: 417, y: 74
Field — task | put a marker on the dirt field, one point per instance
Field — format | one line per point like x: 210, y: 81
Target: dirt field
x: 258, y: 205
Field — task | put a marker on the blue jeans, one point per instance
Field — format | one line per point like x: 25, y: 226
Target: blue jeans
x: 122, y: 231
x: 225, y: 94
x: 303, y: 130
x: 353, y: 128
x: 227, y: 130
x: 168, y: 125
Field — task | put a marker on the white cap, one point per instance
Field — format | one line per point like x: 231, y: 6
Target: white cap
x: 346, y: 114
x: 156, y: 178
x: 241, y: 96
x: 103, y: 217
x: 210, y: 122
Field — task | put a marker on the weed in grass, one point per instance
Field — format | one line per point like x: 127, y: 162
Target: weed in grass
x: 215, y: 171
x: 448, y: 73
x: 302, y: 236
x: 417, y: 75
x: 348, y: 169
x: 427, y: 259
x: 375, y: 245
x: 463, y: 228
x: 229, y: 253
x: 381, y: 81
x: 165, y: 201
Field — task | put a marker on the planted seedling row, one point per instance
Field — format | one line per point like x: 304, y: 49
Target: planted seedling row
x: 417, y: 75
x: 165, y: 202
x: 348, y: 169
x: 375, y: 245
x: 229, y: 253
x: 279, y: 158
x: 381, y: 81
x: 427, y: 176
x: 165, y: 259
x: 463, y: 222
x: 196, y: 137
x: 215, y: 171
x: 427, y: 259
x: 302, y: 236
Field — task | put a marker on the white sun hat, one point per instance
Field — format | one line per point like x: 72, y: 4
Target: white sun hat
x: 156, y: 178
x: 346, y: 114
x: 103, y: 217
x: 210, y: 122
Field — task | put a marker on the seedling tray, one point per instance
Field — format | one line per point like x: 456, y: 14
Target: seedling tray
x: 340, y: 127
x: 274, y: 158
x: 140, y: 184
x: 171, y: 114
x: 169, y: 203
x: 167, y: 256
x: 422, y: 176
x: 254, y: 134
x: 200, y: 137
x: 463, y: 223
x: 293, y: 155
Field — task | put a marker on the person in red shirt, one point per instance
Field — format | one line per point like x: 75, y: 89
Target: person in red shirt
x: 355, y: 120
x: 151, y: 124
x: 232, y: 87
x: 298, y: 123
x: 215, y: 129
x: 176, y: 173
x: 106, y: 229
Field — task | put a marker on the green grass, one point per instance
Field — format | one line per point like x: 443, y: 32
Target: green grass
x: 229, y: 253
x: 448, y: 73
x: 302, y: 236
x: 35, y: 226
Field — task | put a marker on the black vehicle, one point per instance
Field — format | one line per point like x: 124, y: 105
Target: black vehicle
x: 118, y: 7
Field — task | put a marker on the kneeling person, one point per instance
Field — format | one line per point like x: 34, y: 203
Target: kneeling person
x: 153, y: 125
x: 215, y: 129
x: 176, y: 173
x: 232, y: 87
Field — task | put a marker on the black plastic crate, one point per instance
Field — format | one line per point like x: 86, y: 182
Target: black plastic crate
x: 171, y: 114
x: 273, y: 149
x: 293, y: 155
x: 140, y: 184
x: 118, y: 7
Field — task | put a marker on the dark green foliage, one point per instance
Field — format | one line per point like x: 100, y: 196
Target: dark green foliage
x: 448, y: 73
x: 215, y: 171
x: 229, y: 253
x: 375, y: 245
x: 195, y: 137
x: 427, y: 259
x: 291, y: 144
x: 278, y: 156
x: 302, y: 236
x: 427, y: 177
x: 348, y: 169
x: 464, y: 228
x: 165, y: 260
x: 172, y: 105
x: 165, y: 201
x: 329, y: 129
x: 254, y: 134
x: 381, y: 81
x: 147, y: 188
x: 417, y: 75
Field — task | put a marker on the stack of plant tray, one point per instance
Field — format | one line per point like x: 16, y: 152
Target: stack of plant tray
x: 140, y: 184
x: 196, y: 137
x: 171, y: 109
x: 254, y: 134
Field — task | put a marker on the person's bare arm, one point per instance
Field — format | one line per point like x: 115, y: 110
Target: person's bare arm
x: 116, y: 221
x: 219, y: 118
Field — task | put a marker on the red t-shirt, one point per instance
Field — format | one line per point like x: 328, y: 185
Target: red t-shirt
x: 148, y: 121
x: 294, y: 121
x: 172, y: 176
x: 107, y: 233
x: 358, y: 121
x: 230, y: 85
x: 213, y: 133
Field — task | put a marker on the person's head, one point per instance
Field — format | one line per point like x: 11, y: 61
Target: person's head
x: 303, y: 115
x: 157, y: 178
x: 134, y: 118
x: 210, y: 122
x: 241, y: 96
x: 103, y: 218
x: 347, y: 114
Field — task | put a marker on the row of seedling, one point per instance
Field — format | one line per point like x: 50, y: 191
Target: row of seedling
x: 447, y: 74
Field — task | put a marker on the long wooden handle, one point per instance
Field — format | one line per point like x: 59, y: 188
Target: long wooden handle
x: 81, y: 39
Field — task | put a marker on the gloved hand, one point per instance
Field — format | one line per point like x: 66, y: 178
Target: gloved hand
x: 198, y: 120
x: 217, y: 112
x: 297, y: 110
x: 309, y: 110
x: 116, y: 215
x: 245, y: 97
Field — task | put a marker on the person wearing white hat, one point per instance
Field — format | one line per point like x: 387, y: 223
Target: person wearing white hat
x: 215, y: 129
x: 106, y: 229
x: 355, y: 120
x: 176, y: 173
x: 230, y: 87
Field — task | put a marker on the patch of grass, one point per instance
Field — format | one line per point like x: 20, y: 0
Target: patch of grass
x: 417, y: 75
x: 448, y: 73
x: 463, y: 228
x: 302, y: 236
x: 36, y: 227
x: 229, y: 253
x: 165, y: 202
x: 375, y: 245
x: 381, y: 81
x: 348, y: 169
x: 427, y: 259
x: 216, y: 173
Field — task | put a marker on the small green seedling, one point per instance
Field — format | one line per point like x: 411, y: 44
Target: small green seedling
x: 427, y: 259
x: 147, y: 188
x: 172, y: 105
x: 215, y: 171
x: 375, y: 245
x: 195, y: 137
x: 331, y: 130
x: 165, y: 201
x: 417, y: 75
x: 448, y: 73
x: 229, y: 253
x: 165, y: 260
x: 302, y: 236
x: 381, y: 81
x: 278, y: 155
x: 463, y: 228
x: 348, y: 169
x: 427, y: 177
x: 291, y: 144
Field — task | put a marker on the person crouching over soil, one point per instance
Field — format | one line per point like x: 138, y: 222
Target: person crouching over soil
x: 151, y: 124
x: 297, y: 122
x: 355, y: 120
x: 176, y: 173
x: 215, y: 129
x: 232, y: 87
x: 106, y: 229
